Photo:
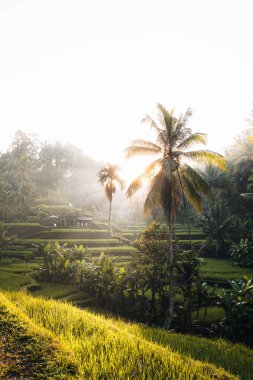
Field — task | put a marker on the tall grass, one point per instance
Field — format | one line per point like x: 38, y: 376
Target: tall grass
x: 106, y: 349
x: 29, y: 351
x: 235, y: 358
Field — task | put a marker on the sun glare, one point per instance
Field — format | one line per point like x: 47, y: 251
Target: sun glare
x: 133, y: 167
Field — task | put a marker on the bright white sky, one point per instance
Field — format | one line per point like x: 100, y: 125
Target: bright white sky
x: 87, y: 71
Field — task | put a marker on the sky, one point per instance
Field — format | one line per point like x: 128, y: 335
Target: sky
x: 87, y: 71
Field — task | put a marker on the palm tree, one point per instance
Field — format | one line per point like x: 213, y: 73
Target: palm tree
x: 172, y: 179
x: 108, y: 176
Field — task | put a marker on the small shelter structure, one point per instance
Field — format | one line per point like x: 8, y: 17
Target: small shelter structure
x: 70, y: 221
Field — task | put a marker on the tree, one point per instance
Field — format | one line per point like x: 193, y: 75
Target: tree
x: 108, y: 177
x: 187, y: 268
x: 150, y: 264
x: 18, y: 168
x: 237, y: 302
x: 172, y: 179
x: 217, y: 223
x: 5, y: 240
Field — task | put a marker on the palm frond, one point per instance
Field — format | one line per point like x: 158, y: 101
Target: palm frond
x: 179, y: 134
x: 120, y: 181
x: 102, y: 176
x: 200, y: 184
x: 183, y: 119
x: 161, y: 140
x: 207, y: 157
x: 133, y: 151
x: 166, y: 118
x: 191, y: 194
x: 136, y: 184
x: 110, y: 189
x: 106, y: 176
x: 148, y: 119
x: 145, y: 143
x: 195, y: 138
x: 153, y: 198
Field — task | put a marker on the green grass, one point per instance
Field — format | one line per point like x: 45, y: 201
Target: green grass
x: 58, y: 291
x: 19, y: 275
x: 221, y: 270
x: 29, y: 352
x: 105, y: 348
x: 84, y: 242
x: 73, y: 233
x: 194, y: 241
x: 16, y: 247
x: 235, y: 358
x: 88, y: 230
x: 214, y: 314
x: 121, y: 251
x: 22, y: 224
x: 12, y: 281
x: 19, y: 267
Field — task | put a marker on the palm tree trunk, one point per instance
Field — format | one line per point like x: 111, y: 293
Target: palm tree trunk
x: 189, y: 232
x: 185, y: 209
x: 109, y: 223
x: 169, y: 312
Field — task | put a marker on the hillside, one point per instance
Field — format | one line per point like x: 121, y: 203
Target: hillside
x: 106, y: 348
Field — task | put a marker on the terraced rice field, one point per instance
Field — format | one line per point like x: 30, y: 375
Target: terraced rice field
x: 107, y: 348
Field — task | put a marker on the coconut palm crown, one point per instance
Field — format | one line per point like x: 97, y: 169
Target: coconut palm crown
x: 108, y: 177
x: 171, y: 178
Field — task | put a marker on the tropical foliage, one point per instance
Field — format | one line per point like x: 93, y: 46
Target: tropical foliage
x: 172, y: 179
x: 108, y: 177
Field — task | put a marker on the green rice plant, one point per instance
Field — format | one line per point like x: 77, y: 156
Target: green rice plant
x: 12, y: 281
x: 16, y: 247
x: 22, y: 224
x: 56, y: 291
x: 214, y: 314
x: 68, y: 240
x: 19, y: 267
x: 121, y: 251
x: 73, y: 233
x: 194, y: 241
x: 235, y: 358
x: 105, y: 350
x: 29, y: 351
x: 222, y: 270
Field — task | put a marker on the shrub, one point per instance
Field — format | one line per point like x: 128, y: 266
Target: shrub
x: 242, y: 253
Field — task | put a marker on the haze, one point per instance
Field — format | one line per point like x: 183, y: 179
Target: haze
x: 86, y: 72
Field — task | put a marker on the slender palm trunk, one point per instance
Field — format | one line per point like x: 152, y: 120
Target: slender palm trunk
x: 109, y: 223
x: 169, y: 312
x: 189, y: 232
x: 185, y: 209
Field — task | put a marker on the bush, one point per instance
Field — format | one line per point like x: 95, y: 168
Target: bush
x: 242, y: 253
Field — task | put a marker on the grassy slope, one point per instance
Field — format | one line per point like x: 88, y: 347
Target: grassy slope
x: 108, y: 349
x: 20, y: 275
x: 29, y: 352
x: 235, y: 358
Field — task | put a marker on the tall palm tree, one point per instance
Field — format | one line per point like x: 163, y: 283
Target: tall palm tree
x: 108, y: 177
x: 171, y: 177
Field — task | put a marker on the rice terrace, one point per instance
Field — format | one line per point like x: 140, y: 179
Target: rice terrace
x: 126, y: 190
